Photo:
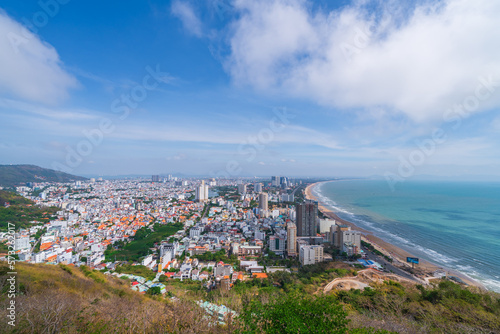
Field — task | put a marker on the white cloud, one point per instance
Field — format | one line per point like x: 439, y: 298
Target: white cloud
x: 30, y: 68
x: 418, y: 64
x: 185, y: 13
x: 59, y: 114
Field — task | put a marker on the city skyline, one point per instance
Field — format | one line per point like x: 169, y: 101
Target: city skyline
x: 240, y: 88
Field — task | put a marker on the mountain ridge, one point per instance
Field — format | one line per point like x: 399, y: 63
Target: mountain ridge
x: 15, y: 175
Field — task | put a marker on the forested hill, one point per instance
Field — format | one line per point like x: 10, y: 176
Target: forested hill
x: 21, y: 211
x: 15, y: 175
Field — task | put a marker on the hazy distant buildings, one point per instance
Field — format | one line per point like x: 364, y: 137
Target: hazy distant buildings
x: 155, y: 178
x: 306, y: 218
x: 291, y: 234
x: 287, y: 198
x: 275, y: 181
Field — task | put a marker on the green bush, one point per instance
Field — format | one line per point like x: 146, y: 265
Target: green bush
x: 295, y: 313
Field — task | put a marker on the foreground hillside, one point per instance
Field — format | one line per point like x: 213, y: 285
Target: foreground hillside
x: 15, y: 175
x: 64, y: 299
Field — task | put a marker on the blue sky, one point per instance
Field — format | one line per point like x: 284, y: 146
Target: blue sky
x: 236, y: 88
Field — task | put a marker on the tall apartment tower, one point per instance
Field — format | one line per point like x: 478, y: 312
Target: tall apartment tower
x: 155, y: 178
x: 242, y: 189
x: 263, y: 199
x: 202, y: 192
x: 307, y: 217
x: 258, y: 187
x: 291, y: 239
x: 339, y: 240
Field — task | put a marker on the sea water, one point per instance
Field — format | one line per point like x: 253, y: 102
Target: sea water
x: 452, y: 224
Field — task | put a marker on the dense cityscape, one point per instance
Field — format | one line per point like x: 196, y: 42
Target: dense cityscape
x: 252, y: 223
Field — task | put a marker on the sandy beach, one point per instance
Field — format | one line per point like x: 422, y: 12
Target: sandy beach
x: 424, y: 270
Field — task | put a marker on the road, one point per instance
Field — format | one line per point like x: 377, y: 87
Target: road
x: 294, y: 190
x: 389, y: 266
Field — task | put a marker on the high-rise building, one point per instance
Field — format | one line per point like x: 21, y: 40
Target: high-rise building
x: 257, y: 187
x: 263, y: 199
x: 338, y: 241
x: 331, y: 234
x: 242, y: 189
x: 202, y: 192
x: 277, y: 244
x: 155, y: 178
x: 275, y: 181
x: 351, y: 242
x: 284, y: 181
x: 307, y: 217
x: 325, y: 224
x: 291, y: 235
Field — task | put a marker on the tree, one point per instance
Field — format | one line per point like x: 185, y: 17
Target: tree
x: 295, y: 313
x: 155, y: 290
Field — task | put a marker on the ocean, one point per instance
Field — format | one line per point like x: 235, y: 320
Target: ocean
x: 452, y: 224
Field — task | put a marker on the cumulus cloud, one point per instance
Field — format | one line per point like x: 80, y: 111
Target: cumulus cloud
x: 186, y: 14
x: 30, y: 68
x: 418, y: 61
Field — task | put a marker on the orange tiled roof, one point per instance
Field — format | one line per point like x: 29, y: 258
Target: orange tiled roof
x: 259, y: 275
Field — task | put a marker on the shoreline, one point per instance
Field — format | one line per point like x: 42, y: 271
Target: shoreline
x: 424, y: 270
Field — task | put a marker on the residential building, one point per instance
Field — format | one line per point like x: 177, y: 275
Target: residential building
x: 291, y: 234
x: 263, y: 200
x: 202, y: 192
x: 195, y: 232
x: 242, y: 189
x: 351, y: 242
x: 310, y: 254
x: 277, y: 244
x: 22, y: 242
x: 338, y: 241
x: 307, y: 217
x: 249, y: 250
x: 325, y: 224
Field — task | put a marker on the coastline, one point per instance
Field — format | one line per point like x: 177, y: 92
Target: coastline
x: 425, y: 269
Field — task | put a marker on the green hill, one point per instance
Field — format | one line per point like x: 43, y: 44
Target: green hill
x: 15, y: 175
x: 66, y: 299
x: 21, y: 211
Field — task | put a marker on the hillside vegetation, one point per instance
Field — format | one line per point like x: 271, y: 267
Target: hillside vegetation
x: 15, y: 175
x: 144, y: 239
x: 21, y: 211
x: 65, y: 299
